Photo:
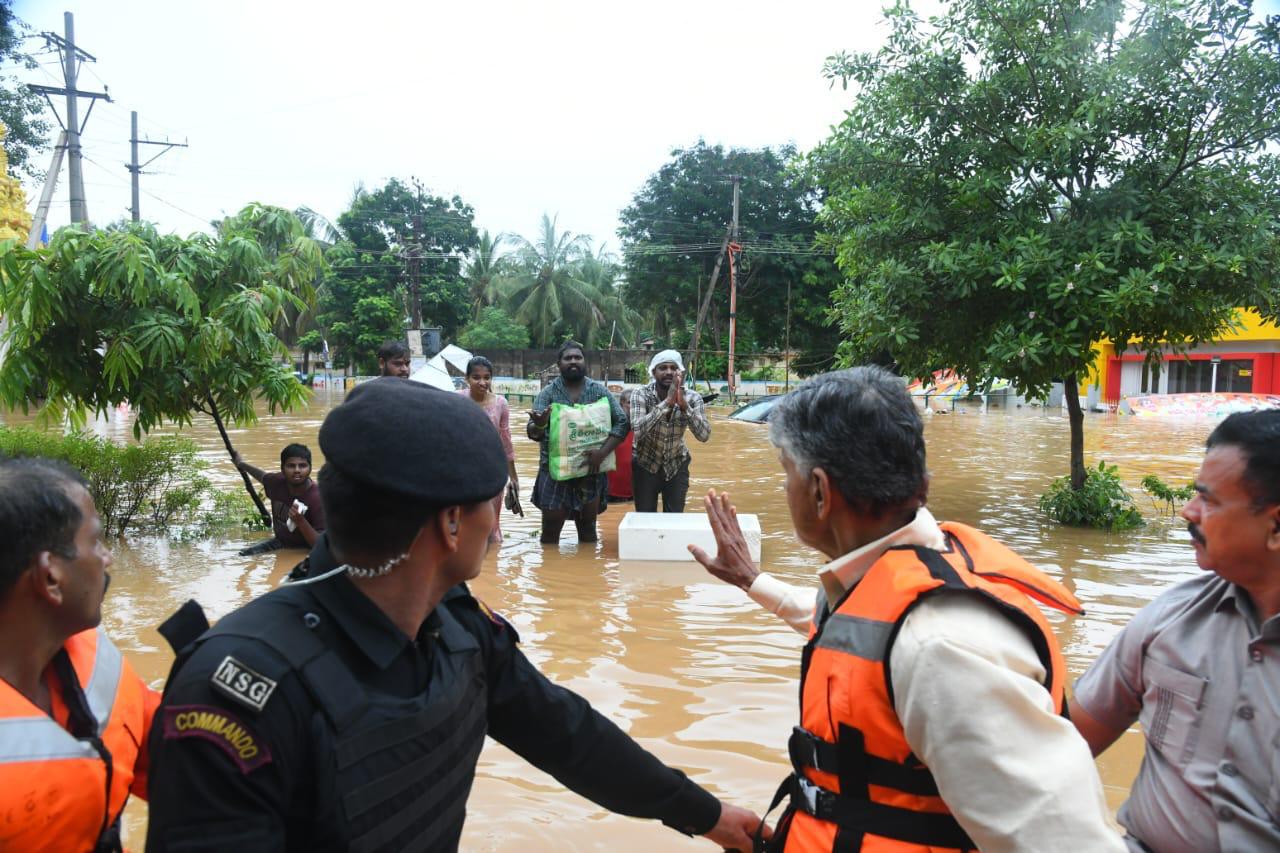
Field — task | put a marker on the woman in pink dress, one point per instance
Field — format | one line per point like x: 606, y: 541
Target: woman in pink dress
x: 480, y: 390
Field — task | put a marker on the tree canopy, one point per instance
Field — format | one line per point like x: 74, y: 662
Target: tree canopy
x: 1016, y: 180
x: 398, y: 221
x: 21, y: 111
x: 172, y: 326
x: 493, y: 329
x: 675, y: 226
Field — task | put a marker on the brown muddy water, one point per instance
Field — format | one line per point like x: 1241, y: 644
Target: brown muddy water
x: 690, y: 667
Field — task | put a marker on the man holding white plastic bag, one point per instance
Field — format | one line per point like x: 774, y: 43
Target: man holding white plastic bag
x: 576, y: 446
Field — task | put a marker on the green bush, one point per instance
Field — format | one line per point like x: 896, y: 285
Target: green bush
x: 158, y: 484
x: 1102, y: 503
x: 1162, y: 493
x: 767, y: 373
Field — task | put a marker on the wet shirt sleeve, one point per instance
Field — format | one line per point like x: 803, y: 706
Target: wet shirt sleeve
x: 315, y: 507
x: 222, y: 776
x: 559, y: 732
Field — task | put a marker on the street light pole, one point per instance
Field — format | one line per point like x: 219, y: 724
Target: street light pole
x: 1213, y: 376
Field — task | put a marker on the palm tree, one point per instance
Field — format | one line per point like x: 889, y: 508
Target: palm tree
x: 486, y: 273
x: 612, y: 322
x: 544, y: 292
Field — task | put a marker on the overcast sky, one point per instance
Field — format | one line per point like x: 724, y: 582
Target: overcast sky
x: 518, y: 107
x: 562, y: 106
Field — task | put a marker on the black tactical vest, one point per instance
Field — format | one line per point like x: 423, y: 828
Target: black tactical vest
x: 393, y: 773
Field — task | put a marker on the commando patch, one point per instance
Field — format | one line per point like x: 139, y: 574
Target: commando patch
x: 219, y: 727
x: 237, y: 681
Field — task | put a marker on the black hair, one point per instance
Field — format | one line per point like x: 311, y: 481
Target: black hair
x: 861, y: 427
x: 568, y: 345
x: 291, y: 450
x: 479, y: 361
x: 37, y: 513
x: 1257, y: 435
x: 374, y: 522
x: 392, y: 349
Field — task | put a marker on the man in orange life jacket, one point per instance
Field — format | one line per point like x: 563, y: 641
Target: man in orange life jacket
x: 931, y: 685
x: 72, y: 711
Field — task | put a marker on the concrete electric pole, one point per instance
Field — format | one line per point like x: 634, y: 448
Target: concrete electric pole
x: 134, y: 167
x: 71, y: 57
x: 734, y: 249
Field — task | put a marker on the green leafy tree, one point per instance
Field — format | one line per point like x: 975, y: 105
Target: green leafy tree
x: 359, y: 307
x: 172, y: 326
x: 397, y: 222
x: 673, y: 230
x: 311, y: 342
x: 20, y: 109
x: 1016, y: 180
x: 493, y: 329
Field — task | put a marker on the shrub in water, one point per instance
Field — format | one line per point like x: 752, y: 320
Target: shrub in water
x: 1102, y: 503
x: 1162, y: 493
x: 158, y: 484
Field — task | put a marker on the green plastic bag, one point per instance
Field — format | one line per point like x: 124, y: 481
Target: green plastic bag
x: 573, y: 431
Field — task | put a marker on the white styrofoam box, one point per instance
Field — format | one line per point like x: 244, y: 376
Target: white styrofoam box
x: 665, y: 536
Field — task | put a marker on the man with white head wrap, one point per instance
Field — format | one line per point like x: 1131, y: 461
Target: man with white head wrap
x: 660, y: 412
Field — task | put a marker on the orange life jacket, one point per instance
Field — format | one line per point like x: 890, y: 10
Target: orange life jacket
x: 856, y: 784
x: 63, y: 786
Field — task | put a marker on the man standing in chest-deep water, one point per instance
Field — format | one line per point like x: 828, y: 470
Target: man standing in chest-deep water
x: 582, y: 498
x: 297, y: 515
x: 660, y: 413
x: 1199, y: 667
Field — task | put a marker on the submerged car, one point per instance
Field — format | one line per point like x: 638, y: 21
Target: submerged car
x: 756, y: 411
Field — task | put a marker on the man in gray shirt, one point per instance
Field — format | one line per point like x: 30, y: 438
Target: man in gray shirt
x: 1199, y: 667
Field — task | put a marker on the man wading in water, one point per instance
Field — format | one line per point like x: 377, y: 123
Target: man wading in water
x: 583, y: 498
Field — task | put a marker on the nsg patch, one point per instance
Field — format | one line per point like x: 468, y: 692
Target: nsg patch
x: 237, y: 681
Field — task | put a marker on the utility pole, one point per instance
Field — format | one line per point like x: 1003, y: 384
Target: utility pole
x: 46, y: 195
x: 135, y: 168
x: 786, y: 361
x: 71, y: 57
x: 415, y: 272
x: 734, y: 249
x: 706, y: 303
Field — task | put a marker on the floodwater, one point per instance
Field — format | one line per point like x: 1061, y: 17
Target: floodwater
x: 690, y: 667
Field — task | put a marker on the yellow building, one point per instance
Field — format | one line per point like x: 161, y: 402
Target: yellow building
x: 15, y: 221
x: 1244, y: 360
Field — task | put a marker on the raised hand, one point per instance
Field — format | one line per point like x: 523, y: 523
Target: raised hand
x: 732, y: 563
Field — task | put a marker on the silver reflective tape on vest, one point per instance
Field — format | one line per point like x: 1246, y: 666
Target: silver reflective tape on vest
x: 101, y: 689
x: 39, y: 739
x: 854, y: 635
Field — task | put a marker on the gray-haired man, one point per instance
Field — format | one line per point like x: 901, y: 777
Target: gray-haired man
x: 957, y: 740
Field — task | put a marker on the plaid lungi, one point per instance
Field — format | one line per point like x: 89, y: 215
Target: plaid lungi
x: 571, y: 495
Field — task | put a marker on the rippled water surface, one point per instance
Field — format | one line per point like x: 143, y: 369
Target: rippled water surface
x: 690, y: 667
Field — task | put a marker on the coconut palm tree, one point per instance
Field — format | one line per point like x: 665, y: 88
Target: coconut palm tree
x: 612, y: 323
x: 487, y: 271
x: 544, y: 292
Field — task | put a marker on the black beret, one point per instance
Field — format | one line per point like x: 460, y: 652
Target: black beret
x: 410, y: 439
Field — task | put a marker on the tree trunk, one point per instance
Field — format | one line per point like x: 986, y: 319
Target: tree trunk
x: 1075, y: 416
x: 306, y: 361
x: 226, y: 440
